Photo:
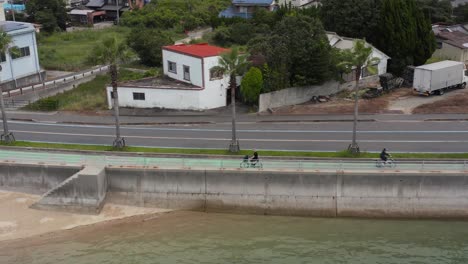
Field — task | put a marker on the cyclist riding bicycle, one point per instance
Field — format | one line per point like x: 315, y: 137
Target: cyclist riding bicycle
x: 384, y: 156
x: 254, y: 159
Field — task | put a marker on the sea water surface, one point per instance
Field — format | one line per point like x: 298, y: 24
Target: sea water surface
x: 191, y: 237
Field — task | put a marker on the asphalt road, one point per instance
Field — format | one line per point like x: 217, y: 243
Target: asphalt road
x: 396, y: 135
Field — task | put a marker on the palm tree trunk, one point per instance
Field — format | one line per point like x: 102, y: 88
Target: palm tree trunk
x: 119, y: 142
x: 234, y: 146
x: 354, y: 147
x: 6, y: 137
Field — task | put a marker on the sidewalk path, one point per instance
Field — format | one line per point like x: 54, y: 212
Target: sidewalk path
x: 33, y: 157
x: 208, y: 117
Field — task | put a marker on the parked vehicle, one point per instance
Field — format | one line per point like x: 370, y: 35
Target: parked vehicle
x: 436, y: 78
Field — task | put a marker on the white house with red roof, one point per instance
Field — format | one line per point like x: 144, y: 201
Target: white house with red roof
x: 189, y: 83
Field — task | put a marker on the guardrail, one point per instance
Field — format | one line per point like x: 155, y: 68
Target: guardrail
x: 55, y: 82
x: 194, y: 163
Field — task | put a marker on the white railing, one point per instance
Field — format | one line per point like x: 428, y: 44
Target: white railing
x: 55, y: 82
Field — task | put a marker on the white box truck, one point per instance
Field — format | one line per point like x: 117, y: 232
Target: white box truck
x: 436, y: 78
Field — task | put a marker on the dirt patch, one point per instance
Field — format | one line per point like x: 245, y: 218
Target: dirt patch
x: 451, y: 103
x: 401, y: 101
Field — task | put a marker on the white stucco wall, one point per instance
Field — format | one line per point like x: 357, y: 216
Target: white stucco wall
x: 169, y: 98
x: 382, y: 67
x: 211, y: 94
x: 214, y: 94
x: 194, y: 63
x: 23, y: 66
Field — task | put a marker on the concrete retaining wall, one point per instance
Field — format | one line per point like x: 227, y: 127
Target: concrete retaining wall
x: 332, y: 194
x: 83, y: 192
x: 299, y: 95
x: 35, y: 179
x: 292, y: 193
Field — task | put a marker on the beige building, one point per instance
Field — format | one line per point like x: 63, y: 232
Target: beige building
x: 2, y: 11
x: 452, y: 46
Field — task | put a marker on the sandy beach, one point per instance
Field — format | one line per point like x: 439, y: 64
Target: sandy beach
x: 17, y: 220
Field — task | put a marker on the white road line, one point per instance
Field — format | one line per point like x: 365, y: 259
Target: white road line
x: 252, y: 130
x: 243, y: 139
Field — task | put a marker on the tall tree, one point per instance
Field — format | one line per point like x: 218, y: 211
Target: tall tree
x: 355, y: 60
x: 111, y: 51
x: 298, y: 51
x: 147, y: 43
x: 351, y: 18
x: 5, y: 48
x: 437, y: 10
x: 50, y: 13
x: 404, y: 34
x: 233, y: 64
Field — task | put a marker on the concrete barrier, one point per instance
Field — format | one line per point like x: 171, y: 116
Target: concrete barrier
x: 407, y: 194
x: 83, y: 192
x: 393, y: 194
x: 34, y: 179
x: 299, y: 95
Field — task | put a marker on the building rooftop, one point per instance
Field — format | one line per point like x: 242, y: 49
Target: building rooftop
x: 159, y: 83
x: 201, y: 50
x: 10, y: 26
x: 342, y: 43
x: 457, y: 39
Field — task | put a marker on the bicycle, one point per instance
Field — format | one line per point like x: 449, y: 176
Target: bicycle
x: 248, y: 164
x: 390, y: 163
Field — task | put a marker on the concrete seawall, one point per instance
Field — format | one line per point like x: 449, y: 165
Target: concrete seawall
x: 34, y: 179
x: 410, y: 194
x: 332, y: 194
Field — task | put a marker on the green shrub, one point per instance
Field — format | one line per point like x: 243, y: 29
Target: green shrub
x: 251, y: 85
x: 46, y: 104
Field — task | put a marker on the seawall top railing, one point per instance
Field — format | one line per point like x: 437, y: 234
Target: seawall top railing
x: 54, y: 158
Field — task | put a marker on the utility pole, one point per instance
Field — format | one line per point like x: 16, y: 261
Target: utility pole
x: 12, y: 9
x: 118, y: 11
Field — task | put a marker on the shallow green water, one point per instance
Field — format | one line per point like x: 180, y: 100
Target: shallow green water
x: 187, y: 237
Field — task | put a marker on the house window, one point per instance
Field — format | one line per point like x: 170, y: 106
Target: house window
x: 366, y: 73
x: 171, y: 66
x: 186, y: 73
x: 2, y: 57
x: 139, y: 96
x: 216, y: 74
x: 23, y: 52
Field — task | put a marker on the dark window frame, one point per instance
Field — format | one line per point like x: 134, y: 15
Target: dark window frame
x: 139, y: 96
x: 186, y: 77
x: 174, y: 70
x: 23, y: 52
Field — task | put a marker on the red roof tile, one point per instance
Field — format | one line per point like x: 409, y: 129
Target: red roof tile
x: 201, y: 50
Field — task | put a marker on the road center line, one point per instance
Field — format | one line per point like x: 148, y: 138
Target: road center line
x: 251, y: 130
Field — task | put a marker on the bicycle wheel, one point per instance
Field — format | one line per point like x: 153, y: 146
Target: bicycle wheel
x: 244, y: 164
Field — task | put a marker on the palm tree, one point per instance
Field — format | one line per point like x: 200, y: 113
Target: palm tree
x: 233, y: 64
x: 357, y: 58
x: 5, y: 48
x: 111, y: 51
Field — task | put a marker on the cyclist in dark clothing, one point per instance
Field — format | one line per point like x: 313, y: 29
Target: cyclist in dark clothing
x: 254, y: 159
x: 384, y: 155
